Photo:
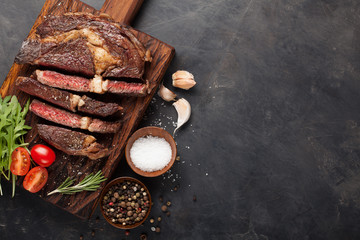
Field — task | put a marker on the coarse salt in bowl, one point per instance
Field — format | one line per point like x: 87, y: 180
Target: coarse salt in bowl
x: 150, y: 151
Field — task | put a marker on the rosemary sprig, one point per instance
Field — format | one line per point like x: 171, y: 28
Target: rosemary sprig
x: 90, y: 183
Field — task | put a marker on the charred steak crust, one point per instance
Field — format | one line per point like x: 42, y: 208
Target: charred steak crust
x: 111, y: 31
x: 65, y: 99
x: 72, y: 142
x: 71, y: 56
x: 92, y: 106
x: 97, y: 46
x: 32, y: 49
x: 53, y: 95
x: 72, y: 120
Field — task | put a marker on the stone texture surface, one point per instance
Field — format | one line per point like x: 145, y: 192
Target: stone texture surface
x: 272, y: 147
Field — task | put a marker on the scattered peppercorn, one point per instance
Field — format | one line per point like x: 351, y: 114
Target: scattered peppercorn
x: 157, y: 229
x: 153, y: 229
x: 176, y: 188
x: 159, y: 219
x: 93, y: 233
x: 164, y: 208
x: 152, y: 220
x: 168, y: 203
x: 168, y: 213
x: 161, y: 199
x: 143, y: 236
x: 177, y: 158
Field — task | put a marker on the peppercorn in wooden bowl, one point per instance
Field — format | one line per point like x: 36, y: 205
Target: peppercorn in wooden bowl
x: 150, y: 151
x: 125, y: 202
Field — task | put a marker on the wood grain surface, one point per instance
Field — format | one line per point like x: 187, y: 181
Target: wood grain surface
x: 83, y: 204
x: 122, y: 11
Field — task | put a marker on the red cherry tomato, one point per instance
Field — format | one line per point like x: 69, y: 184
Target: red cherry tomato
x: 42, y: 155
x: 35, y: 179
x: 20, y: 161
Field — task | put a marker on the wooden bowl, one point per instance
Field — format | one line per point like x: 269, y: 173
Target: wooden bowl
x: 105, y: 191
x: 156, y: 132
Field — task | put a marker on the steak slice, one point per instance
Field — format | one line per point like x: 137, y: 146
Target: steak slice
x: 61, y: 98
x: 72, y: 142
x: 92, y: 106
x: 63, y: 81
x: 73, y: 56
x: 125, y: 88
x: 86, y: 44
x: 71, y: 119
x: 96, y: 85
x: 65, y: 99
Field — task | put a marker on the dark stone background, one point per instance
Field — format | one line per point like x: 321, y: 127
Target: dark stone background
x: 272, y: 147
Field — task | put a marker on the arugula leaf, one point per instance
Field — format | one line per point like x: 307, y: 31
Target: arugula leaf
x: 12, y: 131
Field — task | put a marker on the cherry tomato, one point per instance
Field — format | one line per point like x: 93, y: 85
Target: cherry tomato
x: 20, y: 161
x: 35, y: 179
x: 42, y: 155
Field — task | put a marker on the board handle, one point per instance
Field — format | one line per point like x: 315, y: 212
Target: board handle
x: 122, y: 11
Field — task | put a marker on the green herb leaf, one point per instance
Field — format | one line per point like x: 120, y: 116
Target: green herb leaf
x: 89, y: 183
x: 12, y: 131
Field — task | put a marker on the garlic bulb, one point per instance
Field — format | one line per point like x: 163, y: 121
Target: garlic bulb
x: 183, y: 79
x: 183, y: 109
x: 166, y: 94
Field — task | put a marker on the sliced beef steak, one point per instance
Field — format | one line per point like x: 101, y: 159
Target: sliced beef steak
x: 72, y: 142
x: 96, y: 85
x: 92, y: 106
x: 65, y: 99
x: 63, y: 81
x: 86, y: 44
x: 71, y: 119
x: 125, y: 88
x: 53, y: 95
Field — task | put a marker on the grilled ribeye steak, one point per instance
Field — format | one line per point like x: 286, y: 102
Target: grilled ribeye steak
x: 85, y: 44
x: 65, y: 99
x: 72, y: 120
x: 92, y: 106
x: 72, y: 142
x: 96, y: 85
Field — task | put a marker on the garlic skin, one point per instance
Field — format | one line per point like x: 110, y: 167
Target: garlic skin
x: 183, y: 109
x: 166, y: 94
x: 183, y: 79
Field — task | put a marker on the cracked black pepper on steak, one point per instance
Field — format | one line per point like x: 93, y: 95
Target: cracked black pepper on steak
x: 126, y: 203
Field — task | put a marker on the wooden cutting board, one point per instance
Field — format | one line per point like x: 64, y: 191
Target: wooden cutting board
x: 83, y: 204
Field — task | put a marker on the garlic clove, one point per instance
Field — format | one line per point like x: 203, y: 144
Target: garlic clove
x: 183, y: 109
x: 183, y: 79
x: 180, y: 74
x: 166, y: 94
x: 184, y: 83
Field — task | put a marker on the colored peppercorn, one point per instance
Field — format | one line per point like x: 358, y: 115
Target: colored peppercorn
x: 164, y: 208
x: 143, y: 236
x: 122, y: 206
